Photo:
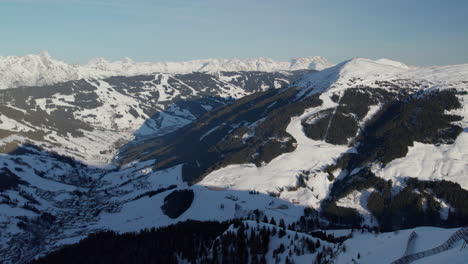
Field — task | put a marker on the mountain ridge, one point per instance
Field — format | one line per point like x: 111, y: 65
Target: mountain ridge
x: 367, y: 72
x: 43, y: 69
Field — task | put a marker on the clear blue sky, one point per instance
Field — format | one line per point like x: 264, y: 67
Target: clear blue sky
x: 421, y: 32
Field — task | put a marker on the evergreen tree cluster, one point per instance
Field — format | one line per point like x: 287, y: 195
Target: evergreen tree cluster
x: 190, y: 240
x: 448, y: 191
x: 338, y: 126
x: 9, y: 180
x: 234, y: 241
x: 415, y: 205
x: 177, y: 202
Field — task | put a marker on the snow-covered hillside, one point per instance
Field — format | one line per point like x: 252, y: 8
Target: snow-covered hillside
x: 71, y: 117
x: 388, y: 247
x: 42, y: 69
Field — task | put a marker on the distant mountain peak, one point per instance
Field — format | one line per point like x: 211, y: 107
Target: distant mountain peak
x: 312, y: 62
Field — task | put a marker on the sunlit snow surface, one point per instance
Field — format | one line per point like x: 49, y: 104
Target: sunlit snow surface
x: 388, y: 247
x: 358, y: 200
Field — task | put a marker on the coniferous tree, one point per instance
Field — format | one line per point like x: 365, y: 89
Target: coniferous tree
x: 281, y: 223
x: 272, y: 221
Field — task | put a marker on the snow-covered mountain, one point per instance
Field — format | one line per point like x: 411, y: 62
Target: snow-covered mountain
x: 35, y: 69
x: 129, y: 67
x: 363, y: 144
x: 42, y: 69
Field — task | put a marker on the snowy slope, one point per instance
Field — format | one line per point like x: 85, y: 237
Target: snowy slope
x: 42, y: 69
x: 388, y: 247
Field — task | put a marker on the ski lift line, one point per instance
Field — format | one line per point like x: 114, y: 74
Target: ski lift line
x: 332, y: 116
x: 410, y: 243
x: 449, y: 244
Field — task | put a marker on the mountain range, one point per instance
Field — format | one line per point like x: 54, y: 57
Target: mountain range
x: 327, y: 156
x: 42, y: 69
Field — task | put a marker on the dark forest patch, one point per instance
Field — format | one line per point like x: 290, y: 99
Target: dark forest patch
x: 177, y: 202
x: 340, y: 125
